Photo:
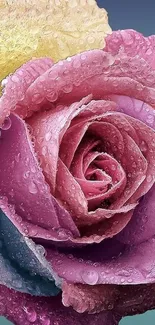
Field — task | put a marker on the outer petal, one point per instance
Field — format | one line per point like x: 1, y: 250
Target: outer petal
x: 93, y: 72
x: 92, y: 299
x: 132, y: 43
x: 25, y: 309
x: 124, y: 300
x: 141, y: 226
x: 23, y: 266
x: 23, y: 183
x: 107, y: 263
x: 17, y: 84
x: 99, y: 73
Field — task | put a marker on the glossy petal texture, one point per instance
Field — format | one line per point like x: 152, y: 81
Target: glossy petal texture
x: 132, y: 43
x: 124, y: 300
x: 117, y: 264
x: 119, y: 89
x: 48, y: 129
x: 23, y: 266
x: 48, y: 29
x: 25, y: 309
x: 92, y: 299
x: 93, y: 71
x: 22, y: 182
x: 142, y: 225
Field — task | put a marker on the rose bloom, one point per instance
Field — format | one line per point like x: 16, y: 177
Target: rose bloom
x: 77, y: 195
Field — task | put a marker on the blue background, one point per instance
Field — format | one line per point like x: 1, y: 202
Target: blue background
x: 139, y: 15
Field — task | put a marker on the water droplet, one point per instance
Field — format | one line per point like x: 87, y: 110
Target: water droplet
x: 26, y: 174
x: 123, y: 273
x: 45, y: 320
x: 67, y: 88
x: 7, y: 124
x: 63, y: 234
x: 130, y: 280
x: 37, y: 98
x: 33, y: 188
x: 44, y: 151
x: 4, y: 82
x: 47, y: 136
x: 113, y: 167
x: 30, y: 314
x: 149, y: 178
x: 41, y: 250
x: 90, y: 277
x: 144, y: 219
x: 122, y: 280
x: 150, y: 119
x: 134, y: 165
x: 17, y: 283
x: 17, y: 157
x: 143, y: 146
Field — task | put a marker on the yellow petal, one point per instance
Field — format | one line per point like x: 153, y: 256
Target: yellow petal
x: 53, y: 28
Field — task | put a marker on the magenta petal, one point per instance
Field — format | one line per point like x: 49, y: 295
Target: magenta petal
x: 100, y: 265
x: 142, y: 225
x: 24, y: 309
x: 23, y: 183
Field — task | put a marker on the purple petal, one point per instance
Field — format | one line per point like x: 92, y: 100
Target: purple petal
x: 135, y: 108
x: 126, y: 265
x: 142, y: 225
x: 25, y: 309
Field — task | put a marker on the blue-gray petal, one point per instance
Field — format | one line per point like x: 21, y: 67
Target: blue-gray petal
x: 23, y: 266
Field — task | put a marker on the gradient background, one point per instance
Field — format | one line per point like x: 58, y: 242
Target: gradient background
x: 139, y: 15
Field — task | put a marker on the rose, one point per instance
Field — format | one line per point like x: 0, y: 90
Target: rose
x: 76, y: 169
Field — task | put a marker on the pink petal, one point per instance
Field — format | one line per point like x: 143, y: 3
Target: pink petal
x: 71, y: 141
x: 23, y: 183
x: 125, y: 300
x: 96, y: 233
x: 133, y: 160
x: 26, y: 309
x: 48, y: 129
x: 132, y: 43
x: 69, y: 192
x: 99, y: 74
x: 101, y: 214
x: 91, y: 111
x: 92, y: 299
x: 17, y: 85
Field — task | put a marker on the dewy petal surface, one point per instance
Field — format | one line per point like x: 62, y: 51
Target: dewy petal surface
x: 98, y: 70
x: 132, y: 43
x: 23, y: 183
x: 23, y: 266
x: 25, y: 309
x: 107, y: 263
x: 50, y: 28
x: 48, y: 129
